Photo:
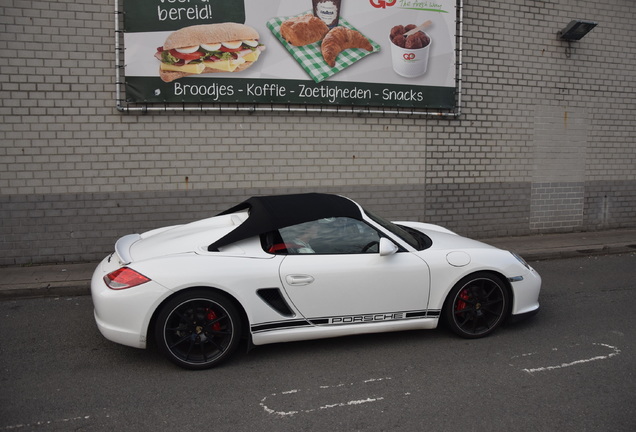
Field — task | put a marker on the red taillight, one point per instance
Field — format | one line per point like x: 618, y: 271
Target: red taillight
x: 124, y: 278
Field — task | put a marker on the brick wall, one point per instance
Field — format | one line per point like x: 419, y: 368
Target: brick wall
x: 544, y: 143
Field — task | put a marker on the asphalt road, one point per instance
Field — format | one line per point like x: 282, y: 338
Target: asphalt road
x: 570, y: 368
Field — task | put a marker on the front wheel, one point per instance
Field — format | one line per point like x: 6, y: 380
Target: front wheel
x: 198, y: 329
x: 477, y: 305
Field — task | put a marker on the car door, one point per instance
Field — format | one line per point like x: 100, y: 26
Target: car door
x: 346, y: 278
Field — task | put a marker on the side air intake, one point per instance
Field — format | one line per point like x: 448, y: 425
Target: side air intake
x: 274, y: 298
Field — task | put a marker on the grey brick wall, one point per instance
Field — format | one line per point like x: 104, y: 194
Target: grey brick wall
x: 545, y: 142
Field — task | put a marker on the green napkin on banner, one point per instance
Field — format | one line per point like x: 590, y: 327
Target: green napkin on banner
x: 309, y: 56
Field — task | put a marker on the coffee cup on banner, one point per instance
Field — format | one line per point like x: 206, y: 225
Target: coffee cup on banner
x: 328, y: 11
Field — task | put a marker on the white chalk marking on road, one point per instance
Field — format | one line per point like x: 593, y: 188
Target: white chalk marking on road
x: 45, y: 422
x: 353, y: 402
x: 375, y: 380
x: 615, y: 352
x: 282, y: 413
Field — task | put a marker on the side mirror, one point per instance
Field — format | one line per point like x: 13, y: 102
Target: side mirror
x: 387, y: 247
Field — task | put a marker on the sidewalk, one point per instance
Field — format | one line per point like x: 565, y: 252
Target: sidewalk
x: 74, y: 279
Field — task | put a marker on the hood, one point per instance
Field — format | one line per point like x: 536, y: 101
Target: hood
x: 193, y: 237
x: 445, y: 239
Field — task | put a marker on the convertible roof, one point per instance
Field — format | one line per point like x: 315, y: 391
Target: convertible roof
x: 269, y: 213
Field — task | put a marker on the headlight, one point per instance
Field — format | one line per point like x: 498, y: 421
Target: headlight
x: 521, y: 260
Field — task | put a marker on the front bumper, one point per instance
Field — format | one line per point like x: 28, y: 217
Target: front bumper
x: 520, y: 317
x: 526, y: 294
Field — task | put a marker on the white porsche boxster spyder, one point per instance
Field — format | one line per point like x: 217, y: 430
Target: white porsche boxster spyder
x: 296, y: 267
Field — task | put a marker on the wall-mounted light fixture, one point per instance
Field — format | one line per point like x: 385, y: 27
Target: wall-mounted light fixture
x: 576, y: 29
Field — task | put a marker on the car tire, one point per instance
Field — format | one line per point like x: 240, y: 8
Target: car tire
x: 477, y: 305
x: 198, y: 329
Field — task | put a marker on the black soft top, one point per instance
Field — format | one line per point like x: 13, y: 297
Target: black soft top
x: 269, y: 213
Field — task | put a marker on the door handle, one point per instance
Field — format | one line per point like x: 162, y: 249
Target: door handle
x: 299, y: 280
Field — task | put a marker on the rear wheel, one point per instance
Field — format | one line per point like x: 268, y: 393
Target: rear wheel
x: 198, y: 329
x: 477, y: 305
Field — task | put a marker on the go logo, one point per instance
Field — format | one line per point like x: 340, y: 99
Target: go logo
x: 408, y: 56
x: 382, y: 3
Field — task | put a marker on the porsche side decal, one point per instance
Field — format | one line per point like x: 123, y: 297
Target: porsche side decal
x: 348, y: 319
x: 377, y: 317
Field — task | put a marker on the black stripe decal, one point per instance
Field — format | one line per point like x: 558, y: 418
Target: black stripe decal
x: 418, y: 314
x: 348, y: 319
x: 279, y: 325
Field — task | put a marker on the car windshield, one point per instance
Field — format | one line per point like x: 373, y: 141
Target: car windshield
x: 411, y: 237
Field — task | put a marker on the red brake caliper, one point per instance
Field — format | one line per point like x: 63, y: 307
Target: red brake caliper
x: 212, y: 316
x: 461, y: 305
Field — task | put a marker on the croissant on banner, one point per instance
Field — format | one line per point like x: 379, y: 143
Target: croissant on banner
x: 339, y: 39
x: 208, y: 48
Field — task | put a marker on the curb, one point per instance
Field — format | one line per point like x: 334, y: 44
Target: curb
x: 71, y: 289
x: 577, y: 252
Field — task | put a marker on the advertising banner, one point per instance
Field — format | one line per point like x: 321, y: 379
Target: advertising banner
x: 374, y: 53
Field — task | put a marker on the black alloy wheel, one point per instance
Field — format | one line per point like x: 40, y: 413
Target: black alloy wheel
x: 198, y: 329
x: 477, y: 305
